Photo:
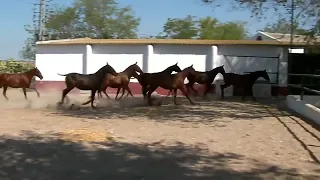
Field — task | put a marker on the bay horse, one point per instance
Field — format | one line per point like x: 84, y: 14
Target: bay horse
x: 244, y: 81
x: 146, y: 78
x: 121, y: 80
x: 86, y: 82
x: 172, y: 82
x: 205, y: 78
x: 19, y: 80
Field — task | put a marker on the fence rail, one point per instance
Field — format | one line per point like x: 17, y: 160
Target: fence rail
x: 302, y: 84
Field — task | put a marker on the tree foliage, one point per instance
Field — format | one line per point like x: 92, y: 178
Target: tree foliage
x: 305, y: 11
x: 284, y: 26
x: 11, y: 66
x: 202, y: 28
x: 102, y: 19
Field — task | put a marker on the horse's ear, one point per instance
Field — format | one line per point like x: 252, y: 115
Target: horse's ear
x: 176, y: 63
x: 107, y: 63
x: 191, y: 65
x: 265, y: 70
x: 136, y: 62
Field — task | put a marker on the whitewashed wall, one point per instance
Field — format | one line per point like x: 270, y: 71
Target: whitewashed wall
x: 87, y: 59
x: 54, y: 59
x: 118, y: 56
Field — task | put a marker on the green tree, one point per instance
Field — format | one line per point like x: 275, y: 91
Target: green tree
x: 305, y: 11
x: 180, y: 28
x: 284, y: 26
x: 88, y: 18
x: 202, y: 28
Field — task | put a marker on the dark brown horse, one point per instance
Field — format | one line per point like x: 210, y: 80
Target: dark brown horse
x: 146, y: 78
x: 244, y: 81
x: 120, y: 81
x: 86, y: 82
x: 19, y: 80
x: 172, y: 82
x: 205, y: 78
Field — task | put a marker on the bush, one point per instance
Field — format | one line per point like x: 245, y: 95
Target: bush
x: 14, y: 66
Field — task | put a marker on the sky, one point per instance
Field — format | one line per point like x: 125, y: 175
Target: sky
x: 153, y: 13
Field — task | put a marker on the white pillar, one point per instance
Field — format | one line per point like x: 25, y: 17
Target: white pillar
x: 86, y: 59
x: 283, y: 68
x: 147, y: 56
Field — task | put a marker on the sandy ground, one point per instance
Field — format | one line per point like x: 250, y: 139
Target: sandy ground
x: 214, y: 140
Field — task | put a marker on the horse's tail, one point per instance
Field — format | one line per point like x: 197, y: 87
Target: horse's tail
x: 62, y: 74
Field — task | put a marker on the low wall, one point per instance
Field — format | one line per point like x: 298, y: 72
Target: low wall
x: 306, y: 107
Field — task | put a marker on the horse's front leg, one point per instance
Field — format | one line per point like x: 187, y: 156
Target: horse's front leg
x: 24, y: 93
x: 250, y: 90
x: 38, y: 94
x: 5, y: 92
x: 190, y: 86
x: 183, y: 89
x: 118, y: 91
x: 105, y: 93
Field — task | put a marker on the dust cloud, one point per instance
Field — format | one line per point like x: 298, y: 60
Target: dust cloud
x: 50, y: 99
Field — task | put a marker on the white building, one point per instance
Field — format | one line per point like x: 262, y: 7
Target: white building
x: 283, y: 38
x: 87, y: 55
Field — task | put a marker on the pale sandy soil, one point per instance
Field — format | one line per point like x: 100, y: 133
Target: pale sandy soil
x: 215, y: 140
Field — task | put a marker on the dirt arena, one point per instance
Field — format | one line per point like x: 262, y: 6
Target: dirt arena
x: 128, y: 140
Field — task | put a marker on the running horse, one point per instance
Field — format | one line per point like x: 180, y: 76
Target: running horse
x: 146, y: 78
x: 244, y: 81
x: 86, y: 82
x: 171, y: 82
x: 19, y: 80
x: 119, y: 81
x: 205, y: 78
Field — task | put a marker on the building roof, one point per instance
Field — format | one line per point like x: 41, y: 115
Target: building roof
x: 287, y: 37
x: 86, y: 41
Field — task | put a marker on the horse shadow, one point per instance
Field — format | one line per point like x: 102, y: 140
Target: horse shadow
x: 207, y: 112
x: 36, y: 156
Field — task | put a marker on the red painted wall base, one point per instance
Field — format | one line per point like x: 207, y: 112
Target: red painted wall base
x: 136, y: 88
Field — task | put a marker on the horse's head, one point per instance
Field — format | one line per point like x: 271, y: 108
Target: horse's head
x: 136, y: 68
x: 220, y: 69
x: 135, y: 75
x: 37, y: 73
x: 189, y: 70
x: 264, y: 74
x: 174, y: 68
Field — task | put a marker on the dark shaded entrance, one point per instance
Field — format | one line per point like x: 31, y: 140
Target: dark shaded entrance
x: 303, y: 64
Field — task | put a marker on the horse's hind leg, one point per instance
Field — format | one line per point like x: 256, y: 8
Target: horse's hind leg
x: 5, y: 92
x: 93, y: 93
x: 24, y: 93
